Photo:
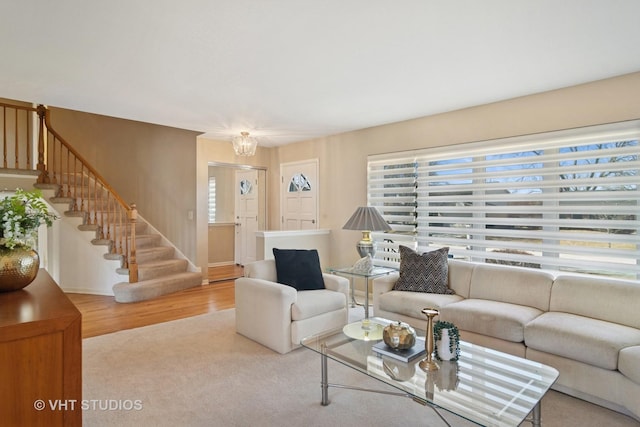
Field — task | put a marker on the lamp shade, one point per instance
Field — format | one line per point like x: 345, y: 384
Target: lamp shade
x: 366, y: 218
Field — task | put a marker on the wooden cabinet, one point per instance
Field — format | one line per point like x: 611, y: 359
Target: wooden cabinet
x: 40, y: 356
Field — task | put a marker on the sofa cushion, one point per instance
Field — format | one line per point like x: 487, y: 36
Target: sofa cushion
x: 629, y: 363
x: 315, y: 302
x: 584, y: 339
x: 492, y: 318
x: 423, y: 273
x: 411, y: 303
x: 598, y: 297
x: 515, y: 285
x: 299, y: 268
x: 460, y: 273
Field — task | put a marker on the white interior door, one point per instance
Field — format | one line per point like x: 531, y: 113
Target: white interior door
x: 299, y: 195
x: 246, y: 213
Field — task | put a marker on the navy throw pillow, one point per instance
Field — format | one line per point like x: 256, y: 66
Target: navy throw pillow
x: 299, y: 268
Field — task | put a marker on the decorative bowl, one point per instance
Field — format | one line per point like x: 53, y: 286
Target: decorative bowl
x: 399, y: 335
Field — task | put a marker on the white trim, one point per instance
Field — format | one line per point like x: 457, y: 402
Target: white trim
x: 289, y: 233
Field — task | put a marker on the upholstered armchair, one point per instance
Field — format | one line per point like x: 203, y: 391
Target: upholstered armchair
x: 279, y: 316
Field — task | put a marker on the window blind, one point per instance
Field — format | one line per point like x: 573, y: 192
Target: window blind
x: 392, y: 190
x: 212, y: 199
x: 564, y: 200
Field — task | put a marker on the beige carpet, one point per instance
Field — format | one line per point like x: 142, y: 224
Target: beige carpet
x: 199, y: 372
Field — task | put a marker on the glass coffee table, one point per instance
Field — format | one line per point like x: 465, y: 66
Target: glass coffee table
x: 484, y: 386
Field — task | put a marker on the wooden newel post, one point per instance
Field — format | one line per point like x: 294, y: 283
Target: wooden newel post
x: 43, y: 177
x: 133, y: 263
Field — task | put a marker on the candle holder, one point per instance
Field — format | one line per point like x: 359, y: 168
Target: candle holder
x: 427, y: 364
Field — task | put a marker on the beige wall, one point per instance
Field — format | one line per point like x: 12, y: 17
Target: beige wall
x: 169, y: 171
x: 343, y: 158
x: 150, y: 165
x: 221, y: 244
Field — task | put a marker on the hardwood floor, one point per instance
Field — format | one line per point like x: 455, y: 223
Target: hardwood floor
x: 102, y: 315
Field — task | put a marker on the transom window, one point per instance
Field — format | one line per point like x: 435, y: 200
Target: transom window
x: 565, y: 200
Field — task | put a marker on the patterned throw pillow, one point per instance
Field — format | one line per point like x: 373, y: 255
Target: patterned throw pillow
x: 428, y: 272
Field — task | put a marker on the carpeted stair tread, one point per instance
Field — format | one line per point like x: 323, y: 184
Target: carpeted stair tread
x: 151, y: 270
x: 145, y: 255
x: 147, y: 240
x: 143, y: 290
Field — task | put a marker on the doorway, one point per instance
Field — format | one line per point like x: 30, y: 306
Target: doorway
x: 231, y: 239
x: 246, y: 215
x: 299, y: 195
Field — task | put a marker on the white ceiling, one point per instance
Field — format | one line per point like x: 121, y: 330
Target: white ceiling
x: 290, y: 70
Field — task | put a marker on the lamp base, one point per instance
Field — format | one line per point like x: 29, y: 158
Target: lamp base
x: 366, y: 248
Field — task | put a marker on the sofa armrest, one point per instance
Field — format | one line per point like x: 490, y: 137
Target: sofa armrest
x: 263, y: 312
x: 336, y: 283
x: 382, y: 285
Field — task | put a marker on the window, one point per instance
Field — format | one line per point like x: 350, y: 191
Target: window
x: 299, y: 182
x: 565, y: 200
x: 245, y: 187
x: 212, y: 199
x: 392, y: 190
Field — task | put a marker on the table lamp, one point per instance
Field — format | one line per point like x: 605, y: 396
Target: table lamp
x: 366, y: 219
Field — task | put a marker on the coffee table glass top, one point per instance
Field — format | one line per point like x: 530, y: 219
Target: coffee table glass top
x: 485, y: 386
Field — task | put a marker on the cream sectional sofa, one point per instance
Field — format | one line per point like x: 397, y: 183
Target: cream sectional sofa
x: 587, y: 327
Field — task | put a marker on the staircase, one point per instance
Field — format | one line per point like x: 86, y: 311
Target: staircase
x: 150, y: 265
x: 160, y: 271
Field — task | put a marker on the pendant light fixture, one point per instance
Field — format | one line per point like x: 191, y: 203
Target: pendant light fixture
x: 244, y: 145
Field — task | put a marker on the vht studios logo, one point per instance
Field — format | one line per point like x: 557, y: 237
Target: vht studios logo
x: 88, y: 405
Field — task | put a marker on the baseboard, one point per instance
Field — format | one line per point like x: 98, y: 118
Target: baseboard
x: 221, y: 264
x: 86, y: 291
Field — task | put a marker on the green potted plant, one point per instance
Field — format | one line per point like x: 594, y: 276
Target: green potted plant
x: 447, y: 341
x: 21, y: 214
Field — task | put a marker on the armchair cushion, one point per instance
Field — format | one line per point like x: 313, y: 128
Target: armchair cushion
x: 316, y: 302
x: 299, y: 268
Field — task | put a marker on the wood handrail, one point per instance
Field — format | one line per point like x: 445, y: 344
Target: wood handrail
x: 77, y: 155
